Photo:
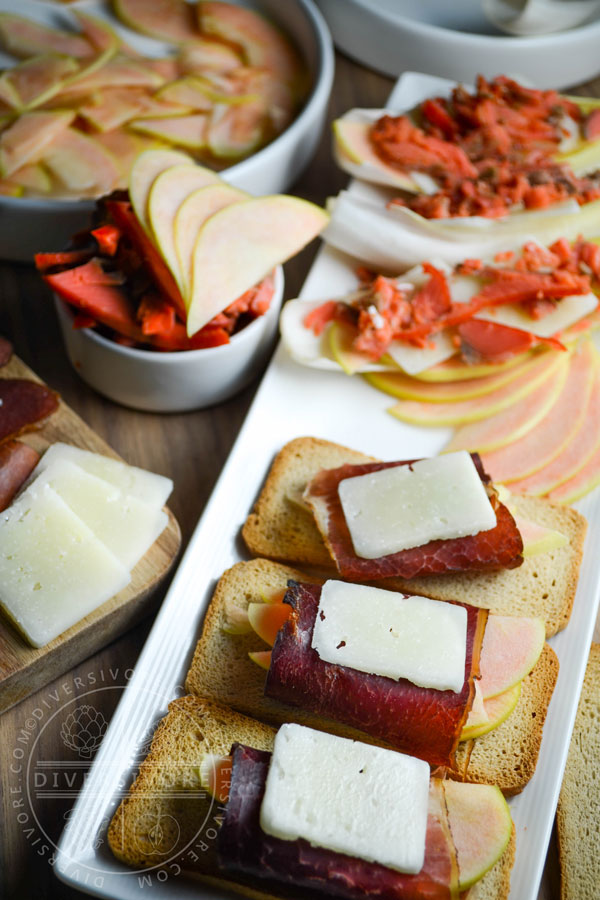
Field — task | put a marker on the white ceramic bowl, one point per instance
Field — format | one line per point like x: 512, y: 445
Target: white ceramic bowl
x: 171, y: 382
x: 455, y: 40
x: 29, y: 225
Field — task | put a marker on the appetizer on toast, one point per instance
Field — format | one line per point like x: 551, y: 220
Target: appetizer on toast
x: 248, y: 848
x: 282, y: 528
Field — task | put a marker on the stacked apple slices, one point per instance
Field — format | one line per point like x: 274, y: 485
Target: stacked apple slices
x: 217, y: 241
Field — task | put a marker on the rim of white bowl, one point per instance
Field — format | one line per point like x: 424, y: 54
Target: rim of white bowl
x: 319, y: 94
x: 162, y: 357
x: 465, y: 39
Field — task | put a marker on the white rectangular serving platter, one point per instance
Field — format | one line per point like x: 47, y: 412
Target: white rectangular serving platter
x: 293, y: 401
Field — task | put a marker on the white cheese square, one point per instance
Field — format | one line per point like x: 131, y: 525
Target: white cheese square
x: 131, y: 480
x: 350, y: 797
x: 407, y: 506
x: 53, y: 570
x: 127, y: 525
x: 385, y: 633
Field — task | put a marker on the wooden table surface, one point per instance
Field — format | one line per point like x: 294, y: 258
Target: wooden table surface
x: 190, y: 448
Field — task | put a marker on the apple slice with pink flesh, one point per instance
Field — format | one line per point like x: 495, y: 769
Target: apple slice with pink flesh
x: 239, y: 245
x: 267, y: 618
x: 457, y: 412
x: 190, y: 216
x: 355, y: 154
x: 146, y: 168
x: 586, y: 479
x: 236, y: 129
x: 514, y: 422
x: 481, y: 827
x: 262, y: 43
x: 168, y: 191
x: 477, y: 714
x: 541, y: 445
x: 573, y: 456
x: 498, y: 709
x: 23, y: 38
x: 511, y: 647
x: 458, y: 370
x: 166, y: 20
x: 185, y: 131
x: 37, y: 79
x: 188, y: 91
x: 406, y: 387
x: 205, y: 54
x: 262, y: 658
x: 26, y: 140
x: 112, y: 107
x: 80, y: 165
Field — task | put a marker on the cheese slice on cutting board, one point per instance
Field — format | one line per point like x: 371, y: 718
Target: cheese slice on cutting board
x: 53, y: 569
x: 347, y: 796
x: 126, y: 525
x: 407, y: 506
x: 134, y: 482
x: 386, y: 633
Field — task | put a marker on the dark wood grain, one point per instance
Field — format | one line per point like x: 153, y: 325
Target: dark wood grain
x: 190, y: 448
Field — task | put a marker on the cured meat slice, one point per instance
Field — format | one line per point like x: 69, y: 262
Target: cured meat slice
x: 17, y: 462
x: 244, y: 849
x: 498, y: 548
x: 5, y: 351
x: 22, y: 404
x: 420, y: 721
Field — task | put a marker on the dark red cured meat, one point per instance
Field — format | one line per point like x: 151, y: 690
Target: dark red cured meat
x: 23, y: 403
x: 416, y: 720
x: 6, y: 351
x: 17, y: 462
x: 499, y: 548
x: 245, y: 849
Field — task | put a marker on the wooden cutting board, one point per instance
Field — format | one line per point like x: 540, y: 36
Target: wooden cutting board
x: 24, y: 669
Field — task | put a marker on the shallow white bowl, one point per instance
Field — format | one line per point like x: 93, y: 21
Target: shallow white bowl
x: 455, y: 40
x: 29, y: 225
x: 171, y: 382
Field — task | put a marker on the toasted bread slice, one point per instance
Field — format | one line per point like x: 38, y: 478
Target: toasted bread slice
x: 167, y: 817
x: 544, y: 585
x: 578, y: 812
x: 222, y: 671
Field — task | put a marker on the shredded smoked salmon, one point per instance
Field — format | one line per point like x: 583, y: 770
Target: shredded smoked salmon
x: 387, y: 309
x: 490, y: 151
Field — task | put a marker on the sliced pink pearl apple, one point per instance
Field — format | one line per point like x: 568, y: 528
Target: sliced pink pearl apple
x: 146, y: 168
x: 354, y: 152
x: 481, y: 827
x: 239, y: 245
x: 167, y: 192
x: 190, y: 216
